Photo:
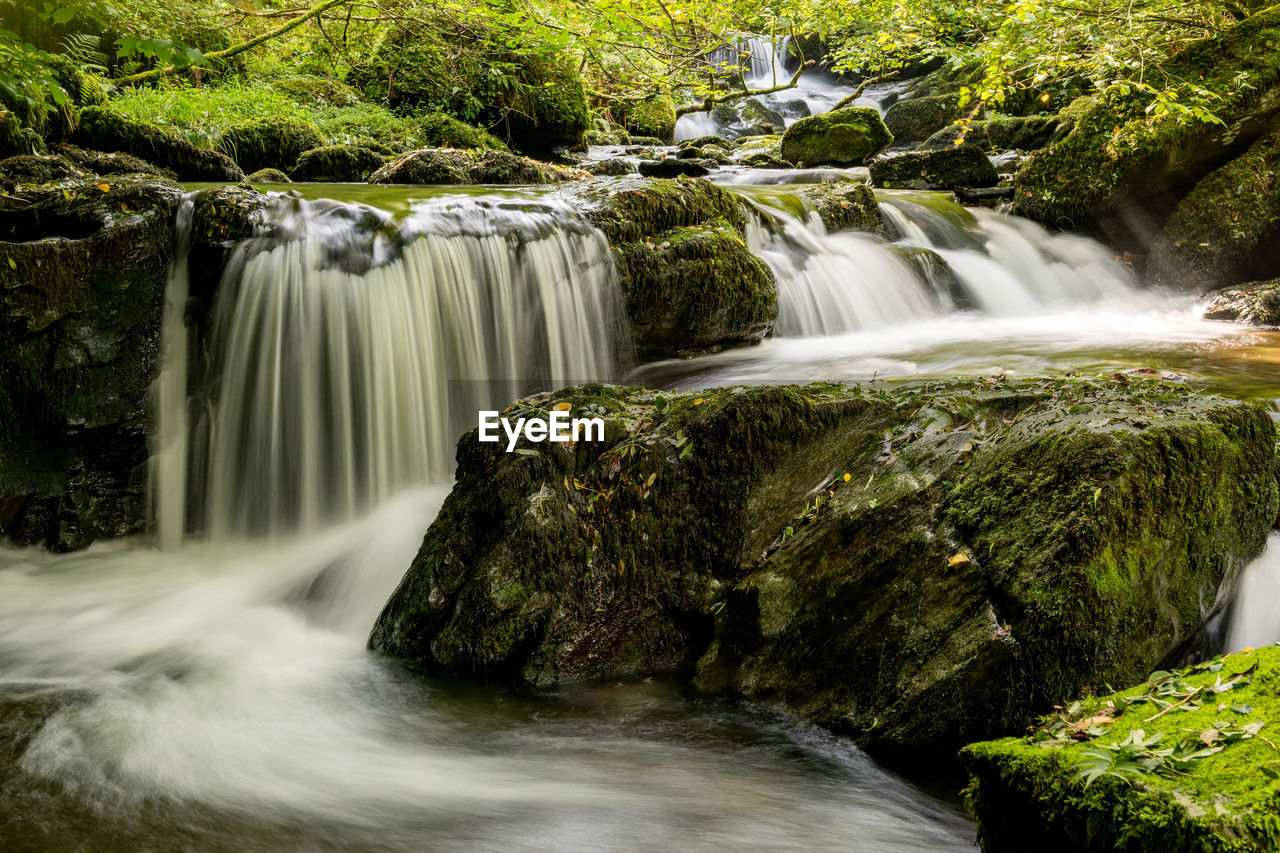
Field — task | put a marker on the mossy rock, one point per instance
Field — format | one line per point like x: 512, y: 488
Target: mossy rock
x: 980, y: 551
x: 616, y: 166
x: 753, y: 111
x: 87, y: 263
x: 270, y: 143
x: 638, y: 209
x: 650, y: 141
x: 1032, y: 793
x: 844, y: 206
x: 1225, y: 230
x: 1256, y: 303
x: 221, y: 219
x: 111, y: 162
x: 337, y: 164
x: 1018, y: 133
x: 1118, y: 156
x: 916, y: 119
x: 37, y: 169
x: 653, y: 117
x: 843, y: 137
x: 15, y: 138
x: 672, y: 167
x: 944, y: 169
x: 51, y: 121
x: 451, y: 166
x: 706, y: 141
x: 445, y: 131
x: 268, y: 176
x: 104, y: 130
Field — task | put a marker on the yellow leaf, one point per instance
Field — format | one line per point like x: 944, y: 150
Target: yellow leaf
x: 848, y: 477
x: 698, y: 402
x: 562, y: 407
x: 958, y: 559
x: 104, y: 186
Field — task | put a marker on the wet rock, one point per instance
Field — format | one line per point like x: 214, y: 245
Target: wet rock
x: 616, y: 166
x: 337, y: 164
x: 650, y: 141
x: 946, y: 169
x: 270, y: 143
x: 707, y: 141
x: 221, y: 220
x: 916, y: 119
x: 670, y: 167
x: 268, y: 176
x: 912, y: 566
x: 37, y: 169
x: 690, y: 282
x: 1120, y: 173
x: 1019, y: 133
x: 111, y: 163
x: 844, y: 137
x: 937, y: 273
x: 447, y: 166
x: 1225, y: 230
x: 1256, y: 303
x: 844, y: 206
x: 104, y: 130
x: 82, y: 279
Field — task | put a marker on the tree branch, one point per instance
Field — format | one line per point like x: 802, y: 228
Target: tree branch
x: 158, y: 73
x: 862, y: 87
x: 712, y: 100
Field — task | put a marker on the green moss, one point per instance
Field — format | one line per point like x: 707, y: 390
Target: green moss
x: 639, y: 209
x: 843, y: 137
x: 844, y: 206
x: 444, y: 131
x: 336, y: 164
x: 1215, y: 235
x: 16, y: 139
x: 942, y: 169
x: 654, y: 116
x: 1027, y: 792
x: 37, y: 169
x: 105, y: 130
x: 268, y: 176
x: 916, y: 119
x: 269, y: 143
x: 1018, y: 133
x: 456, y: 166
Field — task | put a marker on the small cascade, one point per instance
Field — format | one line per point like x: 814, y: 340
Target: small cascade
x: 1254, y: 618
x: 940, y: 257
x: 351, y: 349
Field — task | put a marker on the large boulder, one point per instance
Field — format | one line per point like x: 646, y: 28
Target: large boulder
x: 1256, y: 303
x: 674, y: 167
x: 912, y: 567
x: 844, y: 206
x: 269, y: 143
x: 449, y: 166
x: 1120, y: 169
x: 444, y: 131
x: 1184, y: 762
x: 337, y: 164
x: 1225, y: 230
x: 111, y: 162
x: 104, y: 130
x: 689, y: 279
x: 82, y: 285
x: 843, y: 137
x: 37, y: 169
x: 1017, y: 133
x: 916, y: 119
x: 944, y: 169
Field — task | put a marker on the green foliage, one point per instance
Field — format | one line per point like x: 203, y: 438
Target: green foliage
x: 272, y: 142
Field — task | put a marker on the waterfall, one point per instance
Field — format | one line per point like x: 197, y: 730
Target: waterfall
x: 351, y: 349
x: 941, y: 257
x: 1255, y: 613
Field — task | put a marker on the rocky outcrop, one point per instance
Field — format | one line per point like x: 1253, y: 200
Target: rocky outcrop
x: 37, y: 169
x: 844, y: 206
x: 270, y: 143
x: 945, y: 169
x: 910, y: 567
x: 448, y: 166
x: 104, y: 130
x: 843, y: 137
x: 111, y: 162
x: 1118, y: 772
x: 690, y: 282
x: 1018, y: 133
x: 1225, y: 230
x: 1120, y: 169
x: 338, y: 164
x: 916, y: 119
x: 82, y: 280
x: 1256, y: 303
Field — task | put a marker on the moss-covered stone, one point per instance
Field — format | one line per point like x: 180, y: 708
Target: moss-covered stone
x: 844, y: 206
x: 104, y: 130
x: 37, y: 169
x: 82, y: 280
x: 673, y: 167
x: 1117, y: 156
x: 654, y: 117
x: 1256, y: 303
x: 266, y: 143
x: 450, y: 166
x: 642, y: 209
x: 337, y: 164
x: 268, y: 176
x: 221, y: 219
x: 1225, y: 230
x: 843, y: 137
x: 15, y: 138
x: 1017, y: 133
x: 912, y: 567
x: 111, y: 162
x: 1029, y: 793
x: 916, y: 119
x: 445, y: 131
x: 942, y: 169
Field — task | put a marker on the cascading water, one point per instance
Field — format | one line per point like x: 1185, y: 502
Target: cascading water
x: 352, y: 349
x: 1254, y: 619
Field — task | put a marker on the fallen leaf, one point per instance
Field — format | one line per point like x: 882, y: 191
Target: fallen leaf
x: 698, y: 402
x: 958, y: 559
x: 847, y: 477
x: 104, y: 186
x: 562, y: 407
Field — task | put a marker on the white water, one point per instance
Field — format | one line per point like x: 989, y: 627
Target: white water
x: 1255, y: 615
x: 354, y: 350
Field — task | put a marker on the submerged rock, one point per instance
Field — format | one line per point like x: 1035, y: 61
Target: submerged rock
x: 916, y: 119
x: 1120, y: 168
x: 689, y: 279
x: 270, y: 143
x: 448, y: 166
x: 1041, y: 792
x: 1225, y: 231
x: 1256, y: 303
x: 82, y: 281
x: 843, y: 137
x: 104, y: 130
x: 915, y: 567
x: 337, y: 164
x: 945, y: 169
